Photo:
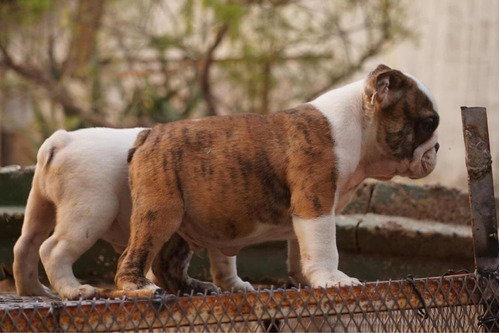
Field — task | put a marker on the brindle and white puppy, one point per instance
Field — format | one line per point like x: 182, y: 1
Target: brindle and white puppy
x: 227, y: 182
x: 80, y: 190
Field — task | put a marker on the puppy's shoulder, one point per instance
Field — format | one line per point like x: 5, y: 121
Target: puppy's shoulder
x: 306, y: 126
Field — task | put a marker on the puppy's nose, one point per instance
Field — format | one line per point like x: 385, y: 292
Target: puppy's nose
x: 436, y: 146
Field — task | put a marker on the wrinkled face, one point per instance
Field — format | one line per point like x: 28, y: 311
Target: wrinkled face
x: 406, y: 119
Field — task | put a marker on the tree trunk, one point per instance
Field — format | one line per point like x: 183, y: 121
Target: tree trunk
x: 83, y: 42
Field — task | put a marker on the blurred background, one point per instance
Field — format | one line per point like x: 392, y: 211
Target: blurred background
x: 125, y: 63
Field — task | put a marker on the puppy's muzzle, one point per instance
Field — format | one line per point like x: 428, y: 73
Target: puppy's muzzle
x: 424, y: 158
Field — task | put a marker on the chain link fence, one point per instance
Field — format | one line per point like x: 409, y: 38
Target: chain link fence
x: 456, y: 303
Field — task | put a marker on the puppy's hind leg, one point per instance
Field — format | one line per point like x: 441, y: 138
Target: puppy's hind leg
x: 39, y: 220
x: 224, y: 272
x: 79, y: 225
x: 170, y: 268
x: 155, y: 218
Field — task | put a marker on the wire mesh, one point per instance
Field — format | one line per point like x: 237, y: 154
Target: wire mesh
x: 448, y: 303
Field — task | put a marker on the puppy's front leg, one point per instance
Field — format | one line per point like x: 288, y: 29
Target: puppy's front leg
x: 318, y: 252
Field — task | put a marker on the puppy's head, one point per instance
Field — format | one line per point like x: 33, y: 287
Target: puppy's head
x: 405, y: 118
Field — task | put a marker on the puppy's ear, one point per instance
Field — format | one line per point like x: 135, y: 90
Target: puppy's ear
x: 384, y: 87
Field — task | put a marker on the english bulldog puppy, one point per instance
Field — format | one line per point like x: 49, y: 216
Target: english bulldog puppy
x: 80, y: 191
x: 226, y: 182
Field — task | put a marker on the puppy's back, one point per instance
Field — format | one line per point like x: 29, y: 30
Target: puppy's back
x: 66, y: 159
x: 232, y: 172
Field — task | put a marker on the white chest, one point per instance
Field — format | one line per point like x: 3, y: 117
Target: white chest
x: 343, y: 109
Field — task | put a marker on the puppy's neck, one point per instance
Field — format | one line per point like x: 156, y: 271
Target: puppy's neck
x: 343, y: 109
x: 354, y: 133
x: 374, y: 161
x: 343, y: 105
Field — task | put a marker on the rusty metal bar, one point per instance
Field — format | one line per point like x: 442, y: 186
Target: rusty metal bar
x: 176, y: 312
x: 481, y: 195
x: 482, y: 203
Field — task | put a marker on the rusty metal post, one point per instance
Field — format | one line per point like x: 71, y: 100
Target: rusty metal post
x: 482, y: 202
x: 481, y: 195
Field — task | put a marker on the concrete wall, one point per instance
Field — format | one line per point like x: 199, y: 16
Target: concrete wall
x: 456, y: 56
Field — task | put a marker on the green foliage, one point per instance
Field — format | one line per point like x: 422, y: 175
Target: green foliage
x: 35, y: 6
x: 188, y: 16
x: 24, y: 12
x: 150, y: 55
x: 230, y: 13
x: 162, y: 42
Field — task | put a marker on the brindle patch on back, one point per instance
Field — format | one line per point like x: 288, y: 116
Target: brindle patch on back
x: 234, y: 172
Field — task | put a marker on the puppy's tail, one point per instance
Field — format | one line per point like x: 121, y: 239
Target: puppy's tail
x: 139, y: 141
x: 49, y: 148
x: 39, y: 221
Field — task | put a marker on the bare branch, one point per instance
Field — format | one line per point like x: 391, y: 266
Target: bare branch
x: 204, y: 78
x: 55, y: 90
x: 54, y: 67
x: 373, y: 49
x: 349, y: 70
x: 180, y: 63
x: 266, y: 88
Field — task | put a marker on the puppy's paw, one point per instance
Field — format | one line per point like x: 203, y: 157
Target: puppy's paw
x: 83, y: 291
x: 243, y: 286
x: 236, y: 285
x: 87, y: 291
x: 130, y: 283
x: 143, y: 289
x: 142, y: 284
x: 198, y: 286
x: 335, y: 279
x: 349, y: 281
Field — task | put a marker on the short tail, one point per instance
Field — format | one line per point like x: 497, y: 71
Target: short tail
x: 49, y: 148
x: 141, y: 138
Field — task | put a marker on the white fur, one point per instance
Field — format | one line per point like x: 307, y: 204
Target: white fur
x: 318, y: 252
x: 87, y: 183
x: 342, y: 107
x: 358, y: 157
x: 355, y: 147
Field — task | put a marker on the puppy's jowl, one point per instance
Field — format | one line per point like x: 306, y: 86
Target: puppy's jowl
x: 227, y: 182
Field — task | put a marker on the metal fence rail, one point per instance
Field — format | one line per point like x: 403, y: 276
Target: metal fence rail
x: 448, y: 303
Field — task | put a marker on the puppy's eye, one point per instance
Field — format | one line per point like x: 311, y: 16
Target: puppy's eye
x: 428, y: 125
